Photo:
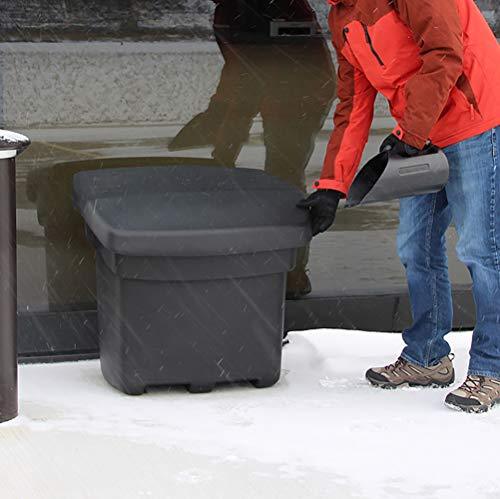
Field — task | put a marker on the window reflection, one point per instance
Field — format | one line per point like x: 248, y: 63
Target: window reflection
x: 69, y: 258
x: 276, y: 64
x: 255, y: 97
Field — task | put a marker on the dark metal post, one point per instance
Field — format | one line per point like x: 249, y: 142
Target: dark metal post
x: 11, y: 145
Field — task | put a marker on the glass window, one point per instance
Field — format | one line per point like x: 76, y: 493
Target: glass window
x: 232, y: 83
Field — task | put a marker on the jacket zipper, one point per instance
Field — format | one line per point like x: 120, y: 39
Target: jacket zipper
x: 372, y: 48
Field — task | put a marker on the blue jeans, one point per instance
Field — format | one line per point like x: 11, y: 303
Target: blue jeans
x: 471, y: 199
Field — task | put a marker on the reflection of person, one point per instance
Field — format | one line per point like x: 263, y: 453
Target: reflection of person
x: 438, y: 64
x: 288, y: 79
x: 69, y: 257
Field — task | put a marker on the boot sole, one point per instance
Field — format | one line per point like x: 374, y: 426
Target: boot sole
x: 393, y: 386
x: 473, y: 409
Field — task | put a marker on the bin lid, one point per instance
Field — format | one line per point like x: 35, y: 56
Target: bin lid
x: 190, y: 211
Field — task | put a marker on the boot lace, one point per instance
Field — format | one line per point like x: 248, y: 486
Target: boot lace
x: 396, y: 365
x: 473, y: 384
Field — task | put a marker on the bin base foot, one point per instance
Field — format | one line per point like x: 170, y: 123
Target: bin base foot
x: 200, y: 388
x: 8, y: 417
x: 266, y: 382
x: 133, y: 391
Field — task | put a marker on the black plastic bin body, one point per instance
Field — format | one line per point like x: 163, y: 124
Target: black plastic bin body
x: 191, y: 271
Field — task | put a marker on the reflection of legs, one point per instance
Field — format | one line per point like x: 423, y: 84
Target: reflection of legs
x: 226, y: 123
x: 289, y: 138
x: 300, y: 88
x: 290, y: 130
x: 239, y: 94
x: 299, y: 91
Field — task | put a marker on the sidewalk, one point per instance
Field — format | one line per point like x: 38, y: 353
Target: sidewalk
x: 321, y: 433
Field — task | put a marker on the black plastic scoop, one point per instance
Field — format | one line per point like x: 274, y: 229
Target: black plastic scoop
x: 387, y: 177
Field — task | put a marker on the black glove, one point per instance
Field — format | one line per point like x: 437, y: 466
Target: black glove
x: 322, y: 205
x: 398, y: 147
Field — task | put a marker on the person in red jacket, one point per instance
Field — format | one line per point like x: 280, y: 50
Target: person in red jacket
x: 438, y: 65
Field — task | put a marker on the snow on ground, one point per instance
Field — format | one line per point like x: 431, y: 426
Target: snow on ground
x: 322, y: 432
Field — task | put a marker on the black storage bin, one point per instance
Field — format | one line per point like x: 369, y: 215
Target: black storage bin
x: 191, y: 271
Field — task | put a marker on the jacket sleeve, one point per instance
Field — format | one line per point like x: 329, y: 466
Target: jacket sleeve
x: 437, y: 29
x: 352, y: 122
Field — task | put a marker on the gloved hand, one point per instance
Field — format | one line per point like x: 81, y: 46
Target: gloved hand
x: 322, y: 206
x: 398, y: 147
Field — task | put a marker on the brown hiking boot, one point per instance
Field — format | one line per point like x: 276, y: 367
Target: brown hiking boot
x: 477, y: 394
x: 298, y: 285
x: 404, y: 373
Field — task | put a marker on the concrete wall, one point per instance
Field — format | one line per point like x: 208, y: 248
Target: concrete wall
x: 62, y: 84
x: 27, y: 20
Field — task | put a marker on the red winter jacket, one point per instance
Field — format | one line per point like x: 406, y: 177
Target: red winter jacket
x: 436, y: 61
